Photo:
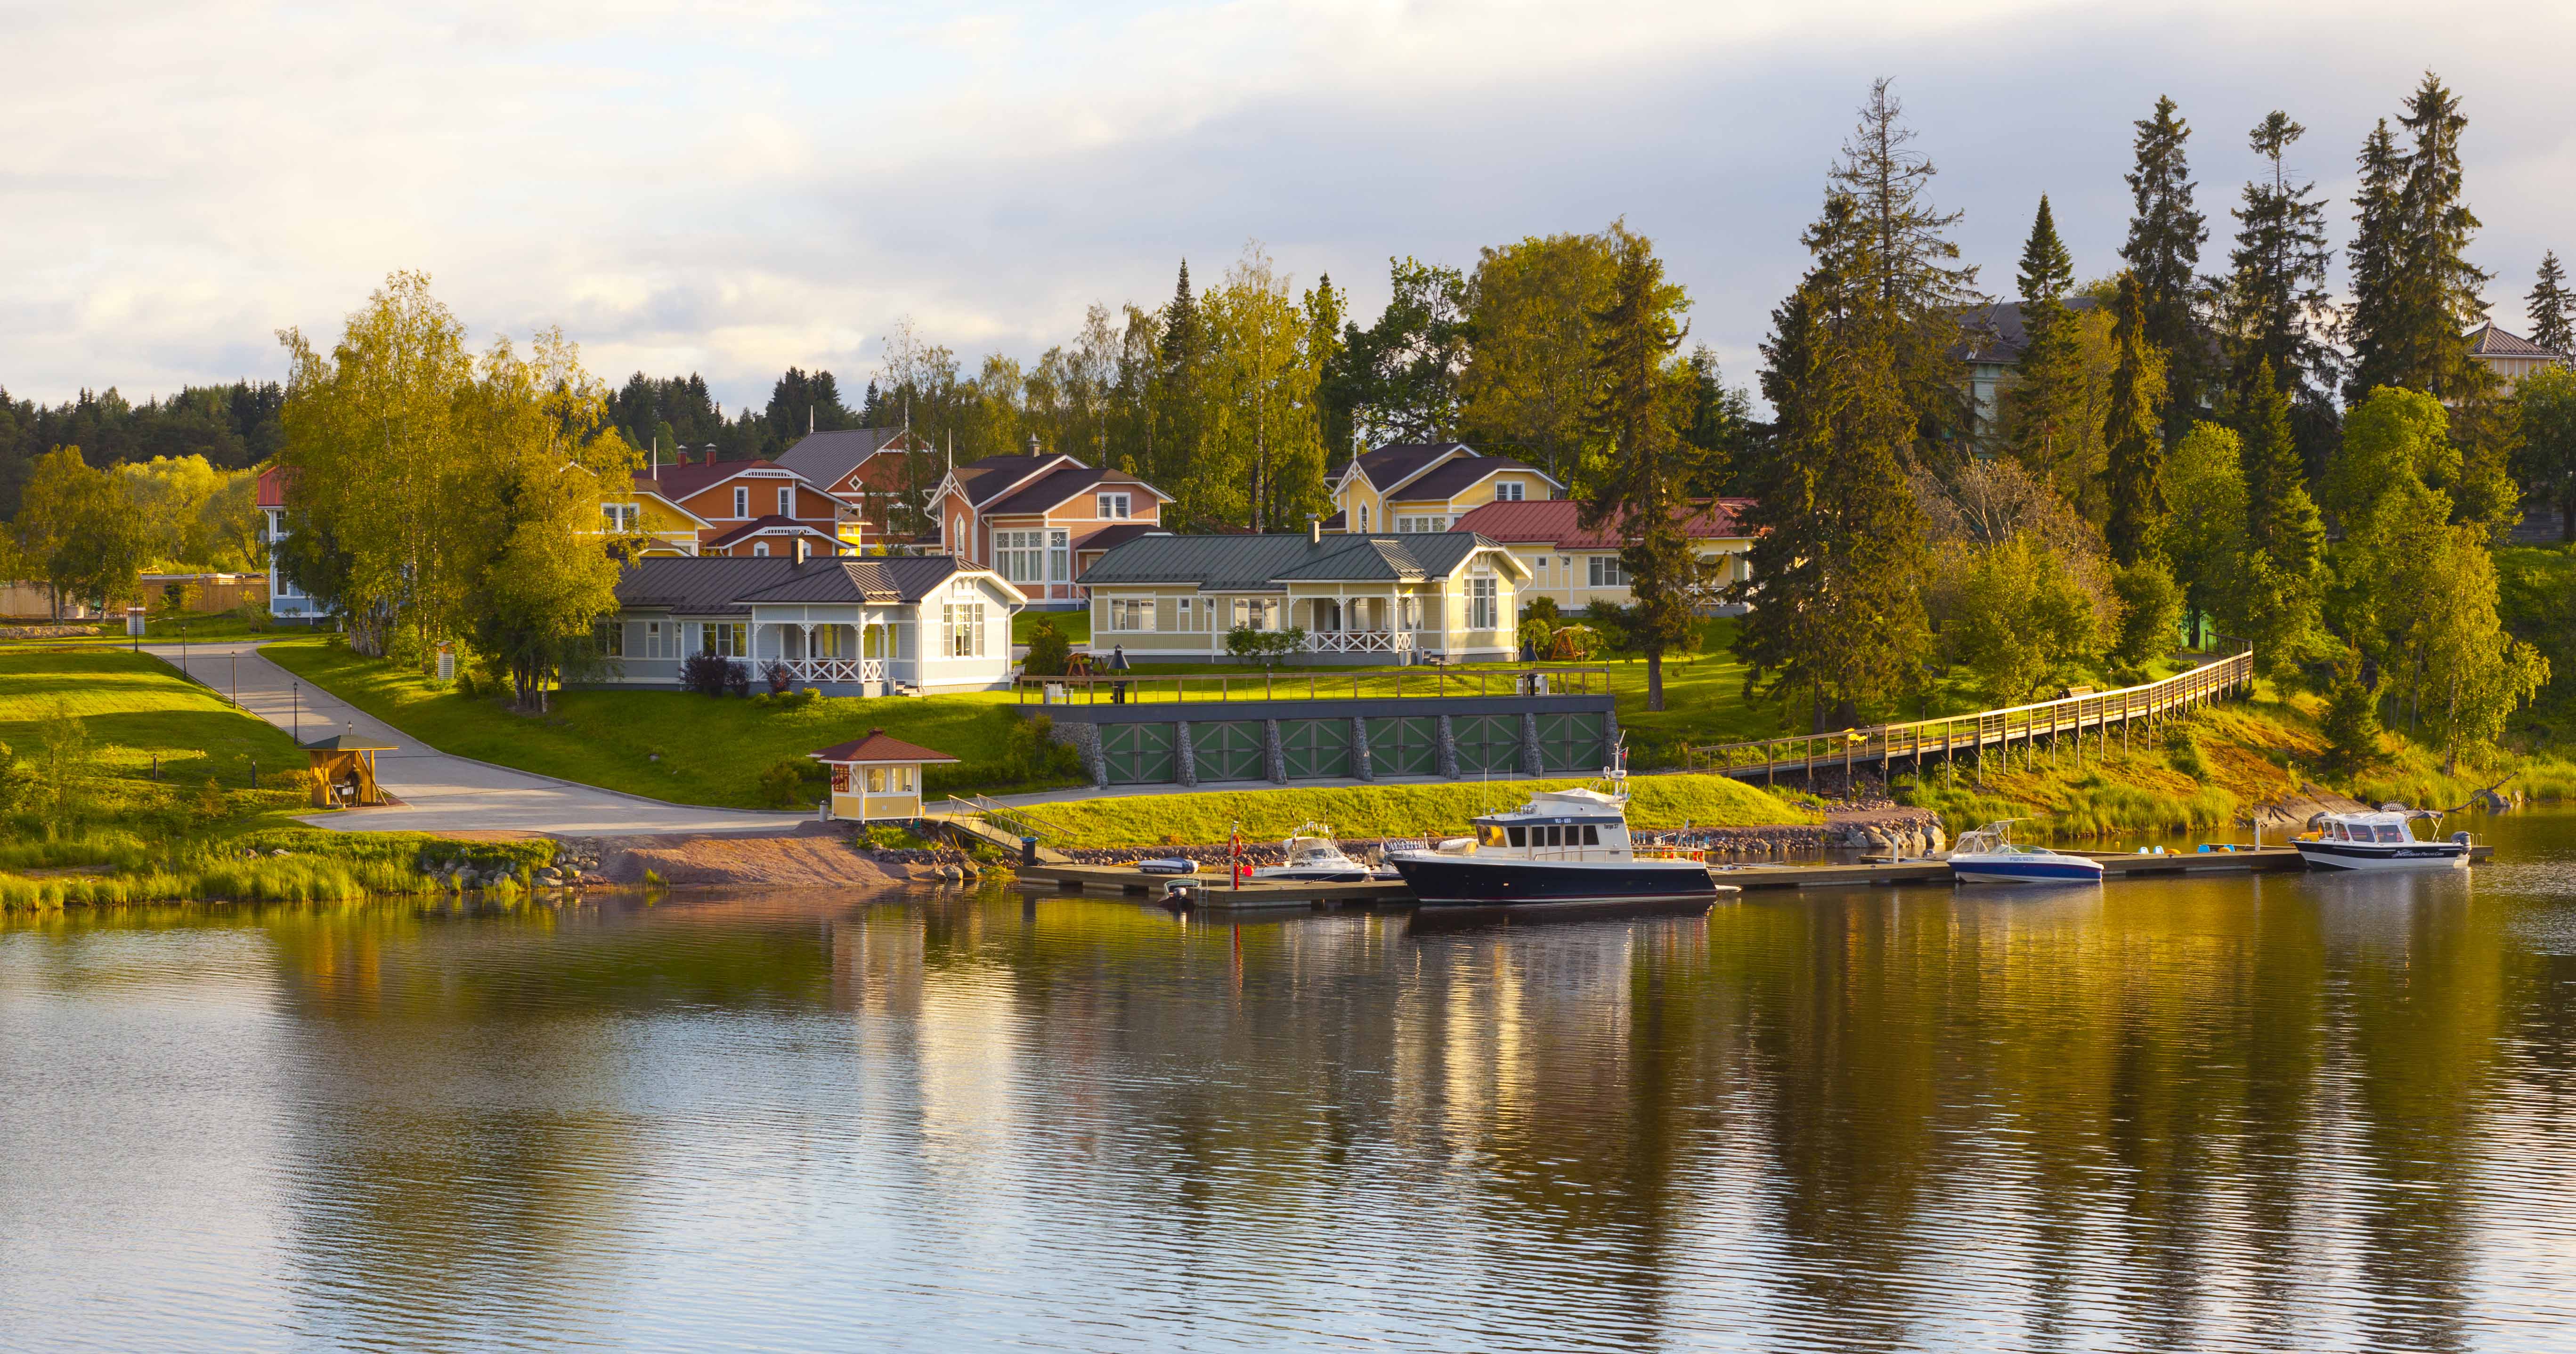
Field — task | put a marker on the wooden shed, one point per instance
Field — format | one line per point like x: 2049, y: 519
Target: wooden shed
x: 344, y: 771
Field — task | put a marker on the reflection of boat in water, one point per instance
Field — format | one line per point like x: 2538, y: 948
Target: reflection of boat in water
x: 1989, y: 855
x: 1313, y: 857
x: 2382, y: 840
x: 1563, y: 846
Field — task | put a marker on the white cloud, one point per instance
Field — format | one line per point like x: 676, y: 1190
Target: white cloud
x: 740, y: 187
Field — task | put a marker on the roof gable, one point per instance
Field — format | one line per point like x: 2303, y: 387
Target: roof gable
x: 827, y: 458
x: 994, y: 476
x: 678, y: 482
x: 1558, y: 523
x: 2488, y: 341
x: 879, y: 746
x: 1457, y: 475
x: 1389, y: 467
x: 1064, y: 483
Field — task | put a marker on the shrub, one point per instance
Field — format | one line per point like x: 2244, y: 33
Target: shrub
x: 1265, y: 647
x: 706, y: 674
x: 1030, y: 751
x: 2351, y: 724
x: 779, y: 676
x: 1050, y: 653
x: 2182, y: 749
x: 783, y: 784
x: 1536, y: 636
x: 738, y: 679
x: 1539, y: 609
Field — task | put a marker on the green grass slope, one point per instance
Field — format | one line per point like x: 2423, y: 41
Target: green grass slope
x: 1395, y: 810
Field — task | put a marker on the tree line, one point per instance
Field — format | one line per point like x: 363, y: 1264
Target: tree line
x: 2224, y: 444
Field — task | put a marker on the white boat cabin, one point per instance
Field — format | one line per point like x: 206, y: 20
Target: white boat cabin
x: 1576, y: 824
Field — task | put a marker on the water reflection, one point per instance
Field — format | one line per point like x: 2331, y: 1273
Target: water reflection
x: 2280, y: 1113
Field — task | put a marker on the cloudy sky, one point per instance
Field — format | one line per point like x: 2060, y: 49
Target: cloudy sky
x: 734, y: 187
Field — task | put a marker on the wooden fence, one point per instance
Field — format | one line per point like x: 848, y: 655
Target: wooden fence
x: 1314, y: 684
x: 1883, y: 745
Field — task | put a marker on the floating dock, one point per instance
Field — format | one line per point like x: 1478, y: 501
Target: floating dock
x: 1215, y: 893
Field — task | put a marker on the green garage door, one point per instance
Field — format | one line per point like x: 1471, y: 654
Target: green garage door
x: 1486, y: 742
x: 1228, y: 750
x: 1139, y: 754
x: 1570, y: 743
x: 1317, y: 748
x: 1405, y: 745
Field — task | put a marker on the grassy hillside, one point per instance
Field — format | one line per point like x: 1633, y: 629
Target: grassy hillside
x: 1395, y: 810
x: 669, y: 745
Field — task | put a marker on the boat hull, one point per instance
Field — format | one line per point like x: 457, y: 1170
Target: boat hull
x: 1464, y: 881
x: 1291, y: 874
x: 2384, y: 855
x: 2044, y: 870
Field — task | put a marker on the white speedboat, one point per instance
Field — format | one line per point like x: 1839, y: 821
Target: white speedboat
x: 2381, y: 840
x: 1989, y: 855
x: 1563, y: 846
x: 1313, y: 857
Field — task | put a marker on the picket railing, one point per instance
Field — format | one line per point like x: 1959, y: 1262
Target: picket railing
x: 1883, y: 745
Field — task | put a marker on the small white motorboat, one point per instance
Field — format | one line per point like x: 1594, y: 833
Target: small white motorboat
x: 2381, y: 840
x: 1313, y: 857
x: 1989, y: 855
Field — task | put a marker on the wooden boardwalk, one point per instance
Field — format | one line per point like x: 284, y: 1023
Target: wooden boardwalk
x: 1391, y: 894
x: 2094, y: 715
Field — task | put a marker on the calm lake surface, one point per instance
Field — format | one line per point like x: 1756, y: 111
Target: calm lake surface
x: 2279, y: 1113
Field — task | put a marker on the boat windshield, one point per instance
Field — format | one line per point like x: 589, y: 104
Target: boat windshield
x: 1489, y: 834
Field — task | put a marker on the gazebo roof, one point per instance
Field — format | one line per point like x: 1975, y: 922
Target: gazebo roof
x: 879, y: 747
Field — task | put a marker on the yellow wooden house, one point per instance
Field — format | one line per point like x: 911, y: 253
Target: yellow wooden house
x: 1422, y: 487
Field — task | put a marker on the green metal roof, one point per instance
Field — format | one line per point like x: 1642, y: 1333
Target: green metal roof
x: 1255, y: 563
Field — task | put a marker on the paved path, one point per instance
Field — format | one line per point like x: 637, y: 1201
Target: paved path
x: 440, y: 793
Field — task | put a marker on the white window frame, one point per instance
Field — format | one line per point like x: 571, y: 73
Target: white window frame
x: 1131, y: 615
x: 1113, y: 506
x: 1363, y: 518
x: 1608, y: 572
x: 1508, y: 491
x: 787, y: 500
x: 1185, y: 615
x: 725, y: 639
x: 1019, y: 555
x: 621, y: 516
x: 963, y: 623
x: 1481, y: 604
x: 760, y: 549
x: 742, y: 502
x: 1059, y: 555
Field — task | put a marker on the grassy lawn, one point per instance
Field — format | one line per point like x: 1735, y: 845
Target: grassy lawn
x: 1394, y: 810
x: 110, y: 634
x: 669, y: 745
x: 135, y: 709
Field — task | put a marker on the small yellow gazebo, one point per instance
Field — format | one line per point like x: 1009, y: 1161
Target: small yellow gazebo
x: 344, y: 772
x: 877, y: 776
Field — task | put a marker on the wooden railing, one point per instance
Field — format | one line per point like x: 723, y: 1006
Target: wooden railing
x: 1314, y: 684
x: 1996, y: 730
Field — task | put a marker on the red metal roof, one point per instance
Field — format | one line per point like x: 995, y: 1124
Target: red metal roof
x: 878, y: 747
x: 677, y: 482
x: 1558, y: 522
x: 763, y: 525
x: 272, y: 486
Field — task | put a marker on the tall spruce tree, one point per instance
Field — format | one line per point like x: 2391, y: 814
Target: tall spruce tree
x: 2163, y: 250
x: 1838, y: 539
x: 2414, y: 290
x: 1639, y: 418
x: 2133, y: 473
x: 2275, y: 293
x: 2046, y: 401
x: 1177, y: 388
x: 2280, y: 589
x: 1900, y: 252
x: 2552, y: 308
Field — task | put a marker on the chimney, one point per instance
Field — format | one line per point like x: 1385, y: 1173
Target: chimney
x: 1314, y: 528
x: 1033, y: 444
x: 800, y: 550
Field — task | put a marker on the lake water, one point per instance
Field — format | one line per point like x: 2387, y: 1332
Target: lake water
x: 2282, y: 1113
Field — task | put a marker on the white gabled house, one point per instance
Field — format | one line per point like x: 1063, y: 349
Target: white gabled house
x: 847, y: 626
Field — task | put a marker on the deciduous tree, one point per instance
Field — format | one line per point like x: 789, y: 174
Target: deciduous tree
x: 1528, y: 386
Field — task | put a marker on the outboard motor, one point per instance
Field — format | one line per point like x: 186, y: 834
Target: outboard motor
x: 2461, y: 837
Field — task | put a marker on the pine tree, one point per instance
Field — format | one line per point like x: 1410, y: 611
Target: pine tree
x: 2134, y: 471
x: 2163, y: 249
x: 2275, y: 290
x: 2351, y: 724
x: 2553, y: 308
x: 1640, y: 411
x: 1176, y: 387
x: 2414, y: 290
x: 1838, y: 540
x: 2046, y: 400
x: 2279, y: 594
x: 1327, y: 308
x: 1899, y: 253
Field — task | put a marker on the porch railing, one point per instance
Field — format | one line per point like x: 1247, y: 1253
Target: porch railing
x: 1359, y: 641
x: 833, y: 669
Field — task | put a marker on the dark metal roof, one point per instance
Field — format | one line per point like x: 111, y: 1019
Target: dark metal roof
x: 1559, y: 523
x: 1391, y: 463
x: 886, y: 578
x: 709, y: 585
x: 993, y: 476
x: 772, y: 523
x: 1244, y: 563
x: 2488, y: 341
x: 1056, y: 486
x: 1110, y: 538
x: 1456, y: 477
x: 676, y: 482
x: 828, y: 458
x: 1994, y: 333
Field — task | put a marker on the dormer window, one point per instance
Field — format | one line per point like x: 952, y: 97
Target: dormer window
x: 1111, y: 505
x: 741, y: 501
x: 1509, y: 491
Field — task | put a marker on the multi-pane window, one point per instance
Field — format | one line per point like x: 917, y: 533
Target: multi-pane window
x: 1408, y: 613
x: 1509, y: 491
x: 1480, y: 604
x: 889, y: 780
x: 621, y: 516
x: 611, y: 637
x: 1020, y: 555
x: 1188, y: 613
x: 661, y: 639
x: 1607, y: 572
x: 1363, y: 518
x: 725, y: 640
x: 1060, y: 556
x: 1261, y: 613
x: 1131, y: 613
x: 741, y: 501
x: 787, y: 501
x: 1425, y: 525
x: 964, y: 622
x: 1112, y: 505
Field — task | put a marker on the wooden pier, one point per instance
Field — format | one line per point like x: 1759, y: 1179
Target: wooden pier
x: 1392, y: 894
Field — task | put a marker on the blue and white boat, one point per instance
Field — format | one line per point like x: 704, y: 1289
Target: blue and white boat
x: 1990, y: 856
x: 2384, y: 840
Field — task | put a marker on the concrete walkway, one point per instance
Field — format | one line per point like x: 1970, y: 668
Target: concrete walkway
x: 441, y: 793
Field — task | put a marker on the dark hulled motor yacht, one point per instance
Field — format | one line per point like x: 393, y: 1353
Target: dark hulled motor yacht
x: 1563, y: 846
